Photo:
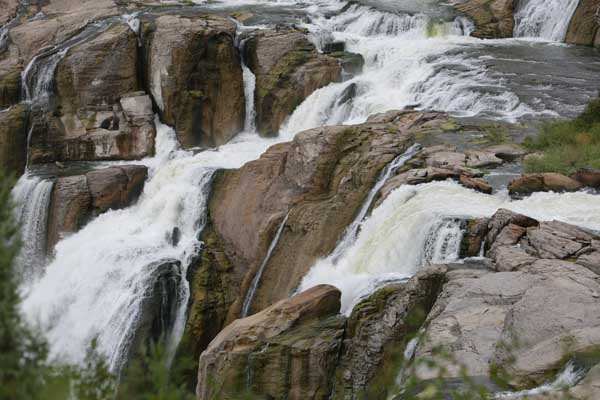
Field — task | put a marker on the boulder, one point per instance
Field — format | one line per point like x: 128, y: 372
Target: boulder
x: 446, y: 159
x: 589, y: 177
x: 482, y: 159
x: 591, y: 261
x: 583, y: 28
x: 13, y: 139
x: 76, y: 199
x: 287, y: 351
x: 321, y: 179
x: 474, y: 237
x: 288, y: 69
x: 195, y: 76
x: 556, y: 240
x: 503, y: 218
x: 507, y: 152
x: 493, y: 18
x: 544, y: 182
x: 510, y: 258
x: 476, y: 184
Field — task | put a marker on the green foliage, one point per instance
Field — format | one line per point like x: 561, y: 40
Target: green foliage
x: 22, y: 352
x: 567, y: 145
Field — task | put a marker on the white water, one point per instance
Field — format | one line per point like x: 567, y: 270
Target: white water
x: 393, y: 242
x: 256, y: 280
x: 568, y: 377
x: 544, y: 19
x: 32, y: 197
x: 352, y: 230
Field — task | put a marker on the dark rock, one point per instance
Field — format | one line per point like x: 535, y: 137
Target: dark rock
x: 545, y: 182
x: 493, y: 18
x: 589, y: 177
x: 13, y: 139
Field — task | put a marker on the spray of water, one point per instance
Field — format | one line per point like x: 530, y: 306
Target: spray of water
x: 544, y: 19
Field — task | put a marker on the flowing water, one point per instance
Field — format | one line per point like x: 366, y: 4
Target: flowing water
x: 417, y: 54
x: 545, y: 19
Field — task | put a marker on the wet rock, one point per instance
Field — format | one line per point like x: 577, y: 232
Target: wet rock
x: 378, y: 330
x: 493, y: 18
x: 195, y: 76
x: 10, y: 85
x: 77, y: 199
x: 589, y: 387
x: 352, y: 63
x: 288, y: 69
x: 321, y: 178
x: 476, y: 184
x: 544, y: 182
x: 416, y: 177
x: 583, y: 28
x: 287, y: 351
x: 474, y: 237
x: 96, y: 87
x: 589, y: 177
x: 13, y: 139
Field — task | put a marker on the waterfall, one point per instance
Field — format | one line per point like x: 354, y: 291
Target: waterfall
x: 544, y: 19
x: 420, y: 224
x: 256, y: 280
x: 32, y: 197
x: 249, y: 91
x: 352, y: 230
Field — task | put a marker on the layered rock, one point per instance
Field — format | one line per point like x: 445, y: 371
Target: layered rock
x: 13, y: 139
x: 287, y: 351
x: 493, y: 18
x: 584, y: 25
x: 288, y: 69
x: 98, y: 114
x: 194, y: 74
x: 76, y: 199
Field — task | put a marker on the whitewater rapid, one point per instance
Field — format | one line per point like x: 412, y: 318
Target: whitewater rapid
x: 419, y: 225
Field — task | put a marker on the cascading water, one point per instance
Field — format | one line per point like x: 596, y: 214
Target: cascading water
x: 32, y: 196
x: 249, y: 91
x: 352, y: 230
x: 256, y: 280
x: 393, y: 242
x: 544, y: 19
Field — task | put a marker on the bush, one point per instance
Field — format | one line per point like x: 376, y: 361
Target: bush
x: 567, y: 145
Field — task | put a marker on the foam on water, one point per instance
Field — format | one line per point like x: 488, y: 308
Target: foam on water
x: 407, y: 231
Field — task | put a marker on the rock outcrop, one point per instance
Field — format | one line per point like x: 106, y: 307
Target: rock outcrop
x: 99, y: 113
x: 76, y: 199
x: 544, y: 182
x: 288, y: 69
x: 13, y: 139
x: 584, y: 26
x: 287, y: 351
x: 194, y: 74
x: 531, y: 316
x: 493, y: 18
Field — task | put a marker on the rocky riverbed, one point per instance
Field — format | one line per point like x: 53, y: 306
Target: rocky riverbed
x: 310, y: 200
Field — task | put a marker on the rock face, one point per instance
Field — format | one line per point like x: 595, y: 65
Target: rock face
x: 288, y: 69
x: 99, y: 114
x: 76, y: 199
x: 493, y: 18
x: 544, y: 182
x: 13, y: 139
x: 584, y: 26
x: 195, y: 76
x: 529, y: 318
x: 320, y: 179
x: 287, y: 351
x: 378, y: 330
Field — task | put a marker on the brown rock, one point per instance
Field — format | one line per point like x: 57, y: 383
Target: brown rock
x: 588, y: 177
x: 544, y: 182
x: 8, y: 10
x: 474, y: 237
x: 287, y: 351
x: 510, y: 258
x: 493, y: 18
x: 446, y: 159
x: 501, y: 219
x: 547, y: 242
x: 507, y: 152
x: 13, y: 139
x: 288, y: 69
x: 195, y: 76
x: 583, y: 28
x: 476, y: 184
x: 10, y: 85
x: 481, y: 159
x: 115, y: 187
x: 320, y: 178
